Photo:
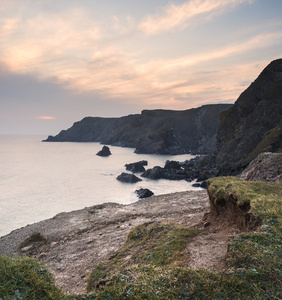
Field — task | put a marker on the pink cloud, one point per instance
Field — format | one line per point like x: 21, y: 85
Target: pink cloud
x: 45, y: 118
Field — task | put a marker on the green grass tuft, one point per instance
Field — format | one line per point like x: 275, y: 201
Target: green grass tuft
x: 26, y: 278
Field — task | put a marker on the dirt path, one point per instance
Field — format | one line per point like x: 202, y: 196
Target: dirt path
x: 79, y: 240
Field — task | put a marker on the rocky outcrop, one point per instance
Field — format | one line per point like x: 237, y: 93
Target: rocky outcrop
x: 253, y: 124
x: 152, y: 131
x: 137, y: 167
x: 266, y: 167
x: 128, y: 178
x: 162, y: 173
x: 200, y: 168
x: 104, y: 152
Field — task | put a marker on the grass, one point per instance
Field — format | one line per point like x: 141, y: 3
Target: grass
x: 26, y: 278
x: 152, y: 264
x: 158, y: 244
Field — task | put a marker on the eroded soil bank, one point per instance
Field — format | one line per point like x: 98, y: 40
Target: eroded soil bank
x: 77, y: 241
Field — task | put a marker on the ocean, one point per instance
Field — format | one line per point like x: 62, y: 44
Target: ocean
x: 39, y: 180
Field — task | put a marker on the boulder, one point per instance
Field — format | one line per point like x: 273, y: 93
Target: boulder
x: 128, y: 178
x: 162, y: 173
x: 171, y: 164
x: 137, y: 167
x: 104, y: 152
x: 144, y: 193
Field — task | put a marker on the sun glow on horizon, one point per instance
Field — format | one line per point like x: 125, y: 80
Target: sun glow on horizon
x: 45, y: 118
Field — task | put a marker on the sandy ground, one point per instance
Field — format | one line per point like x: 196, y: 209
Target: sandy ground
x: 77, y: 241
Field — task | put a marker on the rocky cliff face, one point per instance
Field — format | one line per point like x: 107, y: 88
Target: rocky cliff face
x: 253, y: 124
x: 152, y: 131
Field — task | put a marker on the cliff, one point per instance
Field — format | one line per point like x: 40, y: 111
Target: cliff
x: 152, y: 131
x: 253, y: 124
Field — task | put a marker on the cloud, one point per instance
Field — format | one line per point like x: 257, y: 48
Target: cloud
x: 45, y: 37
x: 45, y: 118
x: 73, y: 50
x: 180, y: 16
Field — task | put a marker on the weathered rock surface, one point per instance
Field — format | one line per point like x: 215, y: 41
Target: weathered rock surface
x: 254, y: 124
x: 128, y: 178
x: 152, y: 131
x: 137, y: 167
x: 266, y: 167
x: 144, y: 193
x: 104, y: 152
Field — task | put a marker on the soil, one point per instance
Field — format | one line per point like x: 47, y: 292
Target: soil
x: 72, y: 244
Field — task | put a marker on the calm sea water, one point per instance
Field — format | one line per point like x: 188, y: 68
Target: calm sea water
x: 39, y: 180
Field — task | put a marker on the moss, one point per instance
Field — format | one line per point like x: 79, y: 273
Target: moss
x: 26, y: 278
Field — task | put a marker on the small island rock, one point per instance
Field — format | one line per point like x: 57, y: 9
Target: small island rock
x: 144, y: 193
x: 129, y: 178
x: 137, y: 167
x: 104, y: 152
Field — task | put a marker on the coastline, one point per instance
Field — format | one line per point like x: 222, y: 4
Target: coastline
x: 77, y: 241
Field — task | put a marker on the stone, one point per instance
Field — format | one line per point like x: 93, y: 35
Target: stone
x: 104, y: 152
x: 144, y: 193
x: 137, y: 167
x: 196, y: 185
x: 171, y: 164
x: 35, y: 239
x: 128, y: 178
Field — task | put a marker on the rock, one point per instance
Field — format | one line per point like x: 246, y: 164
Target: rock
x: 144, y: 193
x: 129, y: 178
x: 204, y: 184
x: 162, y: 173
x: 196, y: 185
x: 35, y: 239
x: 155, y: 173
x: 104, y: 152
x: 27, y: 248
x: 253, y: 125
x: 266, y: 167
x: 171, y: 164
x: 137, y: 167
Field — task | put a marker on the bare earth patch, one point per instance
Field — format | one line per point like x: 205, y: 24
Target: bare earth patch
x: 78, y: 241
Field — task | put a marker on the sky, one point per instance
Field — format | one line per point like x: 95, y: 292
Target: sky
x: 63, y: 60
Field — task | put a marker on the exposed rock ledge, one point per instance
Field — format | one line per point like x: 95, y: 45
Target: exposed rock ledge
x: 77, y: 241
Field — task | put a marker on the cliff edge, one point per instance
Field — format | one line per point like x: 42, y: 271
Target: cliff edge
x: 253, y: 124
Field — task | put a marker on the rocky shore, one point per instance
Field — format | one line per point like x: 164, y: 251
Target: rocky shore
x: 73, y: 243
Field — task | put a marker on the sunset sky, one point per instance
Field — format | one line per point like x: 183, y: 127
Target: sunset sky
x: 62, y: 60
